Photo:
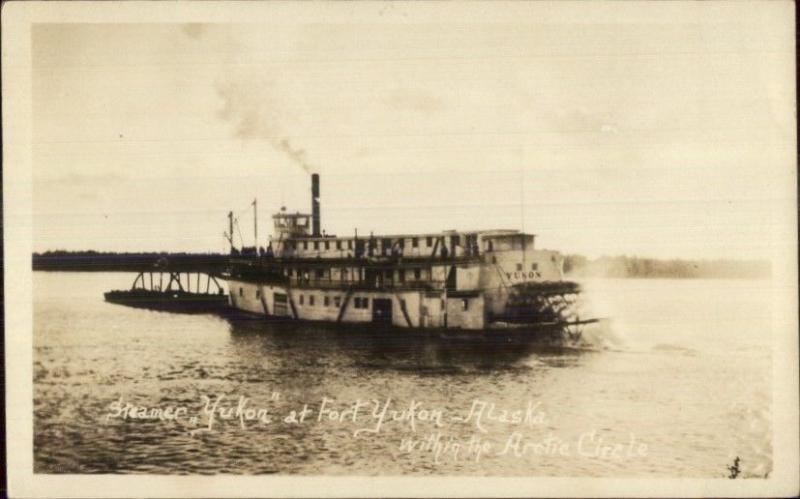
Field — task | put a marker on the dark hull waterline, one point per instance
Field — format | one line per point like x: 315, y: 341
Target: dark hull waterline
x: 170, y: 301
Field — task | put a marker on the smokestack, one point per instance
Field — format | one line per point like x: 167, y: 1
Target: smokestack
x: 315, y: 204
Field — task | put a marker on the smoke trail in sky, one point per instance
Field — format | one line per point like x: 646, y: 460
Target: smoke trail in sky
x: 255, y: 115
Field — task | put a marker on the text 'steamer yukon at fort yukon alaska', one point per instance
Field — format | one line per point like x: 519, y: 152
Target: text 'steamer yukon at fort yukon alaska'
x: 471, y: 281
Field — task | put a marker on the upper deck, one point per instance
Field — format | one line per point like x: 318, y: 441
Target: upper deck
x: 301, y: 254
x: 293, y: 241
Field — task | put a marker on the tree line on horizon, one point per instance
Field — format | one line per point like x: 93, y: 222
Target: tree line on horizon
x: 61, y: 252
x: 91, y: 260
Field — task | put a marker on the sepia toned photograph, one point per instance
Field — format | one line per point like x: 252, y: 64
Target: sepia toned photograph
x: 409, y: 249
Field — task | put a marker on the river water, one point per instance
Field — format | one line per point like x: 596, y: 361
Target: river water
x: 676, y: 384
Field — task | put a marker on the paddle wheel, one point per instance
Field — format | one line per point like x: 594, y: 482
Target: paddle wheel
x: 552, y: 308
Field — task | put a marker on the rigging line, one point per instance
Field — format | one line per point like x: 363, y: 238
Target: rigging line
x: 243, y: 211
x: 246, y: 210
x: 239, y: 215
x: 236, y: 223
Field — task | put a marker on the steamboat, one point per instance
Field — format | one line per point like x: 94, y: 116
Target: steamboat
x: 454, y: 282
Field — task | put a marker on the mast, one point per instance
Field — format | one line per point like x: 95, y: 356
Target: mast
x: 255, y: 222
x: 521, y: 158
x: 230, y: 229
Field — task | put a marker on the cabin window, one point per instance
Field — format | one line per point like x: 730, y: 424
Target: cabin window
x: 429, y: 241
x: 388, y: 274
x: 320, y: 273
x: 534, y: 266
x: 327, y: 301
x: 349, y: 244
x: 494, y: 259
x: 344, y: 274
x: 258, y: 293
x: 465, y: 304
x: 316, y: 245
x: 357, y: 302
x: 301, y: 299
x: 338, y: 245
x: 455, y: 240
x: 305, y: 245
x: 401, y: 275
x: 337, y: 302
x: 310, y: 300
x: 241, y: 292
x: 417, y: 274
x: 327, y: 245
x: 401, y: 243
x: 414, y: 242
x: 489, y: 246
x: 519, y: 267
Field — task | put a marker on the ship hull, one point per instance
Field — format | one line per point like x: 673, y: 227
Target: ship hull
x: 362, y: 334
x: 454, y: 316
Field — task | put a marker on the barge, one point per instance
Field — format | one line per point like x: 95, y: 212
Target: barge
x: 174, y: 296
x: 456, y: 282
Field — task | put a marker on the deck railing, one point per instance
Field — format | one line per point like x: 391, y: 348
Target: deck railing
x: 389, y: 285
x: 409, y: 261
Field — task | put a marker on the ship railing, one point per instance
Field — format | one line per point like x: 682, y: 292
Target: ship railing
x: 376, y: 261
x: 411, y: 285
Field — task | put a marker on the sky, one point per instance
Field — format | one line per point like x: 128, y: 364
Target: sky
x: 667, y: 136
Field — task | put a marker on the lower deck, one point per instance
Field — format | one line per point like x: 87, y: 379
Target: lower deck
x: 401, y: 308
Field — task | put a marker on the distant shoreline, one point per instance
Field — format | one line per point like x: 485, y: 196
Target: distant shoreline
x: 575, y: 266
x: 97, y: 261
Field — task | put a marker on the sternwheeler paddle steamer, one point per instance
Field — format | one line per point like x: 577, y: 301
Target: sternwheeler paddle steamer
x: 466, y: 282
